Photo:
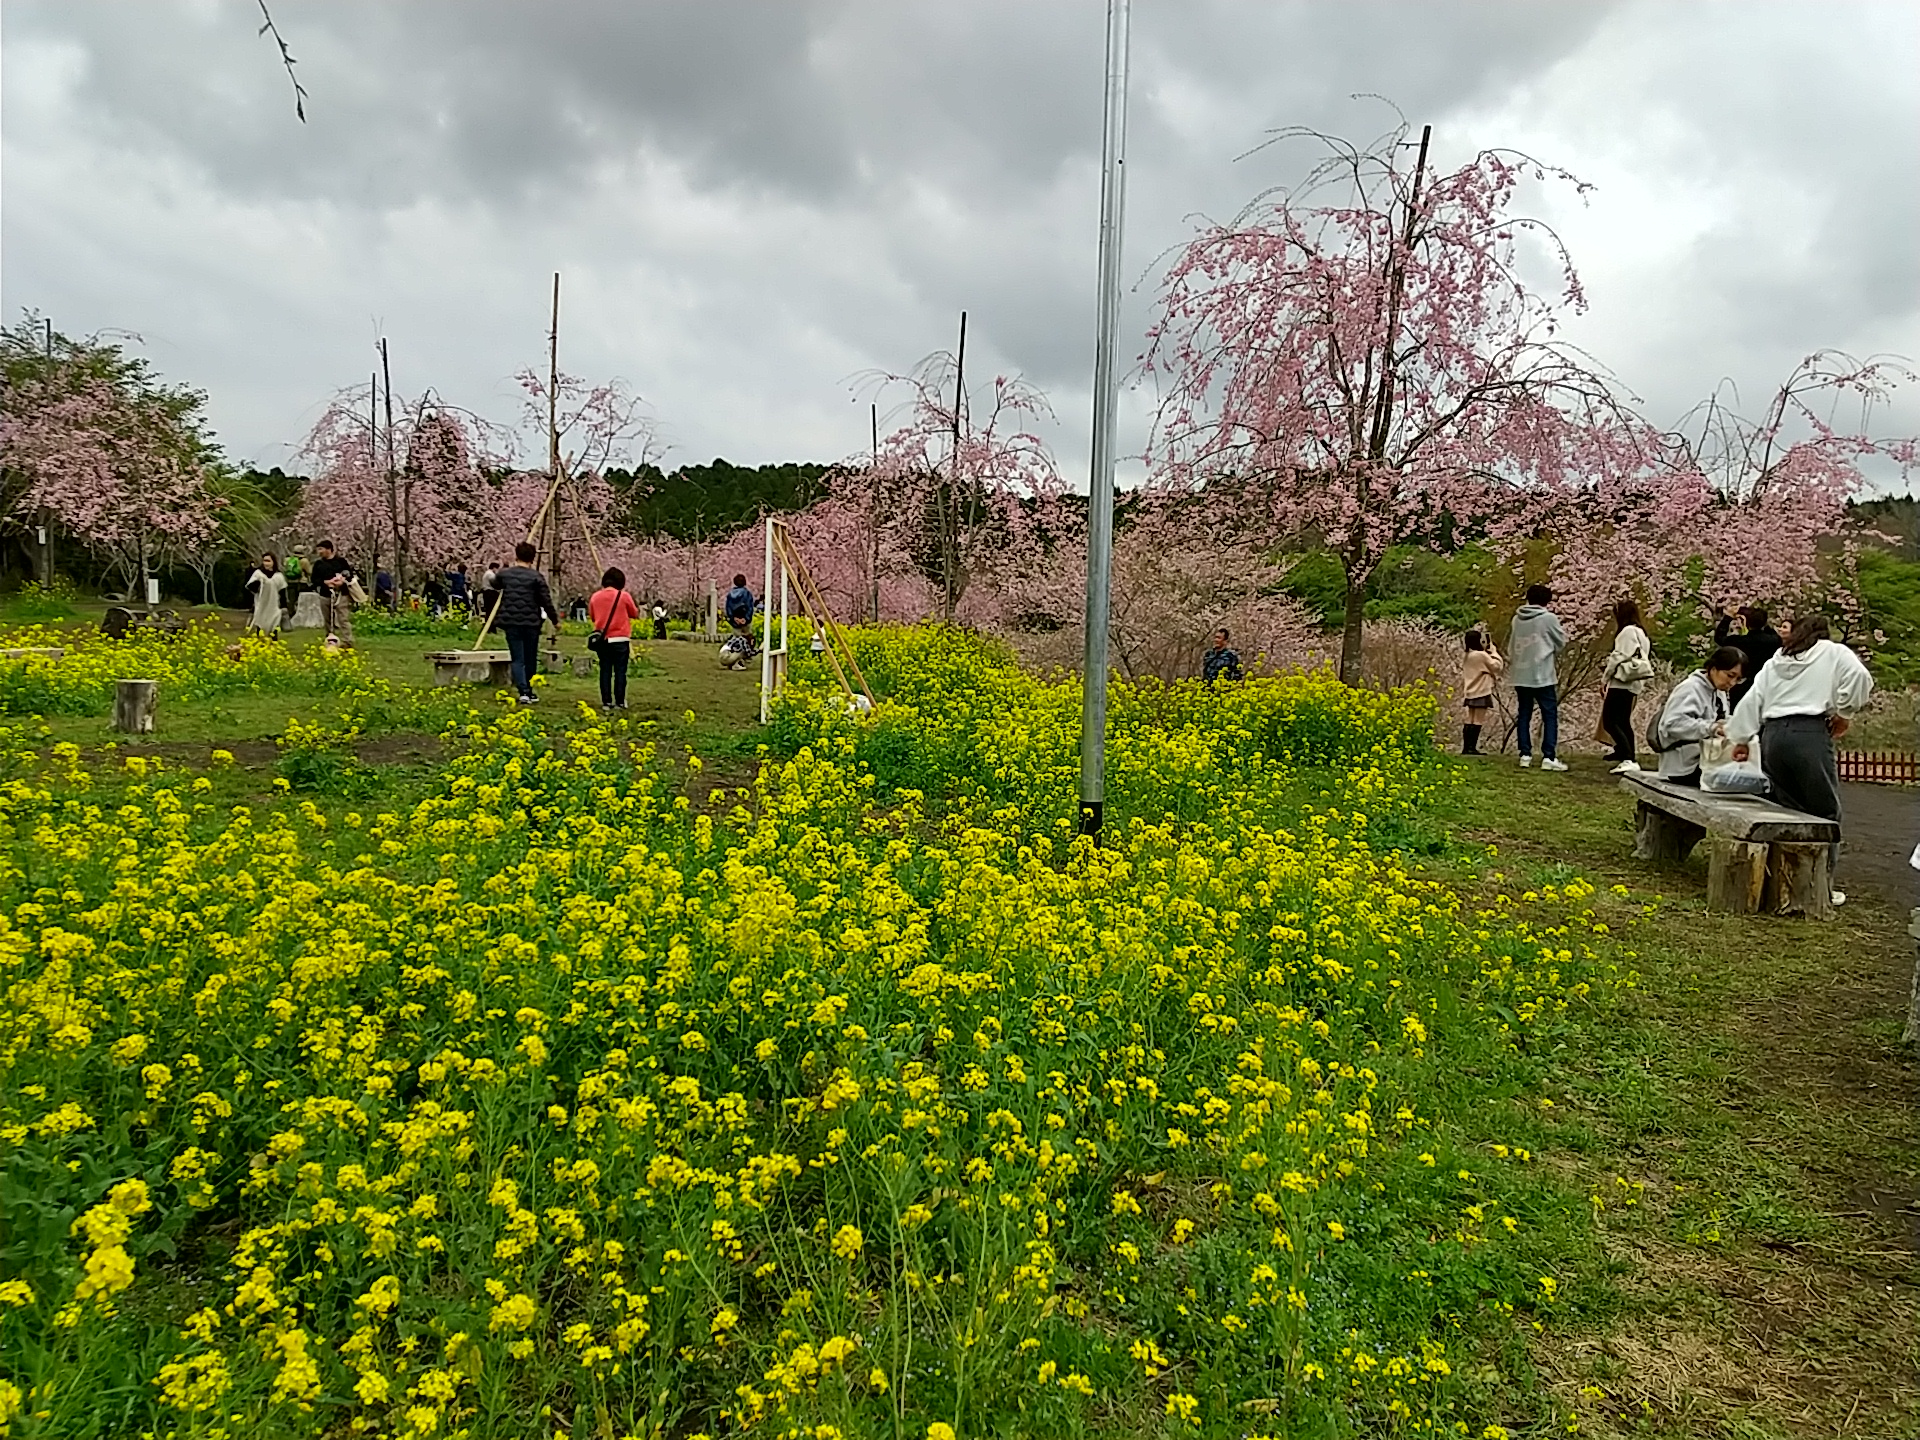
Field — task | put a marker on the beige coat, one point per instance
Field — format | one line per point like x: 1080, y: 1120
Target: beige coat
x: 1478, y: 672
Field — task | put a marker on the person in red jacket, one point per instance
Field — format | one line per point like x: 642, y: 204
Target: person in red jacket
x: 612, y: 611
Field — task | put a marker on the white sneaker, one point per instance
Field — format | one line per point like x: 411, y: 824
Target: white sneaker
x: 1837, y: 897
x: 1627, y: 767
x: 1526, y: 762
x: 1559, y: 765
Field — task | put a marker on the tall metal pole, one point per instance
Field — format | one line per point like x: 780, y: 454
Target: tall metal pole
x: 1113, y: 205
x: 873, y: 519
x: 553, y: 436
x: 393, y: 487
x: 950, y: 502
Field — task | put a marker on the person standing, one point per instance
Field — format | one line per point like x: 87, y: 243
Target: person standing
x: 333, y: 579
x: 1220, y: 661
x: 522, y: 603
x: 457, y: 588
x: 1799, y: 704
x: 613, y: 611
x: 488, y: 596
x: 1696, y: 708
x: 384, y: 593
x: 269, y: 590
x: 1478, y: 671
x: 1624, y: 674
x: 1533, y: 650
x: 659, y: 619
x: 1759, y: 644
x: 740, y: 606
x: 296, y: 571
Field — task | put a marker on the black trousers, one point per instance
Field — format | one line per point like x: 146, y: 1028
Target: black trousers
x: 613, y: 672
x: 523, y: 645
x: 1797, y: 753
x: 1616, y: 715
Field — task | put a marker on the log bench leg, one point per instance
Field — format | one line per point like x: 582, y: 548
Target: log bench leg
x: 1736, y: 876
x: 1800, y: 879
x: 1662, y: 837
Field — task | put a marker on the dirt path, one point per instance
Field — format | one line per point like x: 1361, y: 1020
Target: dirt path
x: 1882, y: 826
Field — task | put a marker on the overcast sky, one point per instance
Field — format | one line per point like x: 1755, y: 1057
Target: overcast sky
x: 754, y: 202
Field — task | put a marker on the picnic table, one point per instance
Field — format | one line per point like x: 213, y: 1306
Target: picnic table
x: 1764, y: 857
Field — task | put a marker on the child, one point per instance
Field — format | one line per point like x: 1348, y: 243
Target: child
x: 1478, y: 671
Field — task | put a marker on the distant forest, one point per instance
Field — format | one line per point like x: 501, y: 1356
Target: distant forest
x: 698, y: 502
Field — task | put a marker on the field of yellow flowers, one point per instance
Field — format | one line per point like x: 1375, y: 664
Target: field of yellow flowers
x: 197, y: 663
x: 862, y: 1101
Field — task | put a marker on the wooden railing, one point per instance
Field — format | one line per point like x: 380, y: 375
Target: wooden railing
x: 1879, y: 767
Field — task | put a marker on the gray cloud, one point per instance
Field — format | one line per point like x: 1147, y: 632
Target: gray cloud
x: 755, y: 200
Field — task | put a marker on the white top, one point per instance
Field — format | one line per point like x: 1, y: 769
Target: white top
x: 1827, y: 679
x: 1630, y: 642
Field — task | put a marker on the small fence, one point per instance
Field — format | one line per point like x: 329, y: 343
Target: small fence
x: 1879, y: 767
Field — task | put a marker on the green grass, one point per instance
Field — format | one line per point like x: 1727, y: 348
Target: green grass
x: 1754, y: 1086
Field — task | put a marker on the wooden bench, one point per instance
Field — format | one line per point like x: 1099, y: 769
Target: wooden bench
x: 1764, y: 857
x: 121, y: 620
x: 472, y: 667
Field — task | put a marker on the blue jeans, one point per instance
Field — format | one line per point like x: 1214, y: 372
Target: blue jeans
x: 1547, y: 697
x: 523, y: 644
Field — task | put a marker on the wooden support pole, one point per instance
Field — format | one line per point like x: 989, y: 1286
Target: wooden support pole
x: 1799, y: 879
x: 1663, y: 838
x: 134, y: 703
x: 1736, y: 876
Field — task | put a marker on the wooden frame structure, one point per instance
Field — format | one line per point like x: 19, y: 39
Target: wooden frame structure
x: 794, y: 577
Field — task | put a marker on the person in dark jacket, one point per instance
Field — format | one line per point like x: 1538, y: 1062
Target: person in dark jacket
x: 1221, y: 661
x: 333, y: 577
x: 1759, y: 644
x: 522, y: 602
x: 740, y: 606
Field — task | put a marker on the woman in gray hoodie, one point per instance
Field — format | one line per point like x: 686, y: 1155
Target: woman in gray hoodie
x: 1696, y: 708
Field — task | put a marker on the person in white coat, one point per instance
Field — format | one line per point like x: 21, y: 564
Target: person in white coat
x: 1696, y: 708
x: 1799, y: 705
x: 1625, y: 672
x: 268, y: 587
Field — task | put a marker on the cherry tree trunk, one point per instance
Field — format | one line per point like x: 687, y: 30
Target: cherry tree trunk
x: 1350, y: 633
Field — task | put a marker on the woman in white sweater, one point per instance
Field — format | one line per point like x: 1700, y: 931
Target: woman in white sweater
x: 1628, y: 667
x: 1799, y: 705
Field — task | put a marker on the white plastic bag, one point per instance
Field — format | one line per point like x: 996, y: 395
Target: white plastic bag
x: 1735, y: 777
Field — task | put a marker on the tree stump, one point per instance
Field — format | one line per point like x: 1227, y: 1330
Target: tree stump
x: 1800, y: 880
x: 306, y: 612
x: 134, y: 702
x: 1663, y: 837
x: 1736, y: 876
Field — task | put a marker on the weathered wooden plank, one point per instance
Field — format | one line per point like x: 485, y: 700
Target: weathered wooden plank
x: 1737, y: 817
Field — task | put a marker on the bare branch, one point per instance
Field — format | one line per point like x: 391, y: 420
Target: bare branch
x: 286, y: 59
